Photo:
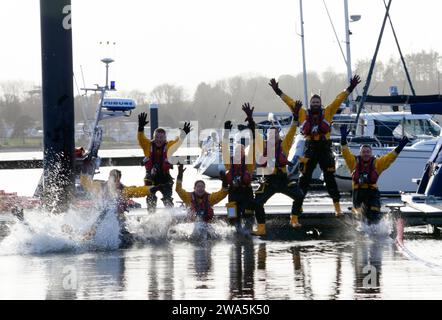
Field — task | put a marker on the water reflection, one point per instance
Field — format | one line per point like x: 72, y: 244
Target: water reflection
x: 85, y: 276
x: 236, y: 269
x: 301, y: 279
x: 202, y: 261
x: 367, y: 259
x: 242, y: 269
x: 161, y: 273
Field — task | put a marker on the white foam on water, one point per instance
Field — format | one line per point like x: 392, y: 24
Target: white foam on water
x: 381, y: 230
x: 43, y: 232
x: 165, y: 225
x: 201, y: 231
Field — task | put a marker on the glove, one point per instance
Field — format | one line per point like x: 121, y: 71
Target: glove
x: 295, y: 110
x: 142, y: 121
x: 353, y: 83
x: 186, y: 128
x: 401, y: 145
x: 344, y: 134
x: 228, y: 125
x: 222, y: 176
x: 180, y: 171
x: 248, y: 111
x: 275, y: 86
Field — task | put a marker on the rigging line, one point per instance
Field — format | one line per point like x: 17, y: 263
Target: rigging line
x: 334, y: 30
x: 86, y: 99
x: 79, y: 94
x: 373, y: 62
x: 400, y: 53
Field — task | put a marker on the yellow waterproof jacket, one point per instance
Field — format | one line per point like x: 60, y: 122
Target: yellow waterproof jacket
x: 380, y: 164
x: 186, y: 196
x: 96, y: 187
x: 329, y: 111
x: 286, y: 144
x: 171, y: 146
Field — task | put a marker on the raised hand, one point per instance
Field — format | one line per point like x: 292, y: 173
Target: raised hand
x: 275, y: 86
x: 404, y: 141
x: 248, y: 111
x: 295, y: 109
x: 344, y: 134
x: 222, y: 176
x: 187, y: 127
x: 142, y: 121
x: 354, y: 82
x: 180, y: 171
x: 228, y: 125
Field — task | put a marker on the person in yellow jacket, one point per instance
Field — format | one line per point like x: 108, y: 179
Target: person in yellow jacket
x: 240, y: 167
x: 316, y: 128
x: 275, y: 171
x: 365, y: 170
x: 199, y: 202
x: 157, y: 153
x: 113, y: 196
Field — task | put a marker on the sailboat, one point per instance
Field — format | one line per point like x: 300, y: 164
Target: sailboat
x: 383, y: 130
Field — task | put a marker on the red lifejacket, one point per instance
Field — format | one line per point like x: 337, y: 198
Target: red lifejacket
x: 370, y: 171
x: 311, y: 121
x: 202, y: 207
x: 238, y: 171
x: 158, y: 158
x: 280, y: 157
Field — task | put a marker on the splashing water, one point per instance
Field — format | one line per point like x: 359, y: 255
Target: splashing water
x: 166, y: 225
x: 381, y: 230
x: 43, y: 232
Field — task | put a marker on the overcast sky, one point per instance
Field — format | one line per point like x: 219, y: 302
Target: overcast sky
x: 186, y: 42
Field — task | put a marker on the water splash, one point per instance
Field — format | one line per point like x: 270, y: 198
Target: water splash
x: 169, y: 225
x: 43, y: 232
x: 381, y: 230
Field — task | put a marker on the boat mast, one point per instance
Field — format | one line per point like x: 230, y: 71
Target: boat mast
x: 304, y: 69
x: 347, y: 44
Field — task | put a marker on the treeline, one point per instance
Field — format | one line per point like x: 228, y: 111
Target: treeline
x: 212, y: 103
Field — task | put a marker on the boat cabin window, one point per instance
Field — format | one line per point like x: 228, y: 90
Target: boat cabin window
x: 336, y: 125
x: 417, y: 127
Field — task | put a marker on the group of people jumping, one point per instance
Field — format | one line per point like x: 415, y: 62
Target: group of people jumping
x: 267, y: 154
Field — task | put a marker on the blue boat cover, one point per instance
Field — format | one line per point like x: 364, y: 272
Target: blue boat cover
x: 427, y: 108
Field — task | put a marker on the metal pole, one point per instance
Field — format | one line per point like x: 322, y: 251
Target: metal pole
x: 347, y: 43
x: 153, y: 118
x: 107, y: 76
x: 304, y: 69
x: 58, y: 103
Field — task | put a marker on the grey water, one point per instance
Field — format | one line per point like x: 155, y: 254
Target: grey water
x: 167, y: 263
